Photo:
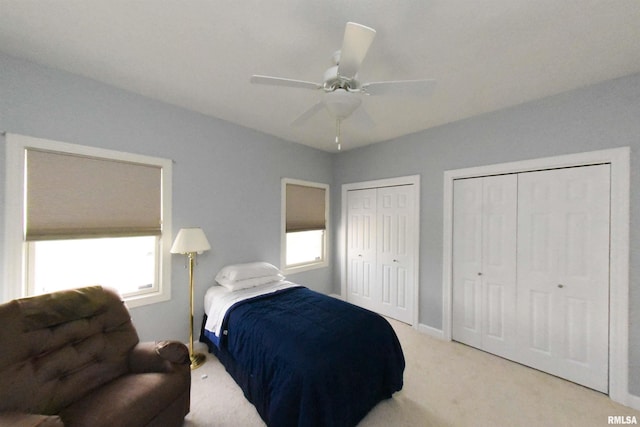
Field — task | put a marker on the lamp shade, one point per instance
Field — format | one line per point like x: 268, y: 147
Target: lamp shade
x: 189, y: 240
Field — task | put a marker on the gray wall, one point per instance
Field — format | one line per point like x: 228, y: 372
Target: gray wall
x: 226, y: 178
x: 602, y: 116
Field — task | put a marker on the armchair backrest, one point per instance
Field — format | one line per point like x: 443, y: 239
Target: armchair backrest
x: 55, y: 348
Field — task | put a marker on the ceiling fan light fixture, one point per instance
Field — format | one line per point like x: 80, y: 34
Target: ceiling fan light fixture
x: 340, y: 103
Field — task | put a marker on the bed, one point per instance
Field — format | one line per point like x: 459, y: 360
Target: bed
x: 301, y: 358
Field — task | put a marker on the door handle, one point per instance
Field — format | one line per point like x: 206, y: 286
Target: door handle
x: 560, y: 285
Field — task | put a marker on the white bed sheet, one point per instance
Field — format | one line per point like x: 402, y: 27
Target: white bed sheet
x: 218, y: 300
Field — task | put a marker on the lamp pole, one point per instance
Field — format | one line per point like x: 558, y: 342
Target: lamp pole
x: 196, y: 359
x: 190, y: 241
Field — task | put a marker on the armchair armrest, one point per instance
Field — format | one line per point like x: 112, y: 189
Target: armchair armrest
x: 21, y: 419
x: 159, y: 356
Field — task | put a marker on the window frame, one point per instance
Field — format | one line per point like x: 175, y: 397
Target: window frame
x: 324, y: 262
x: 16, y: 255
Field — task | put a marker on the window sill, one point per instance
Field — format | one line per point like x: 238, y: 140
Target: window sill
x: 305, y: 267
x: 146, y: 299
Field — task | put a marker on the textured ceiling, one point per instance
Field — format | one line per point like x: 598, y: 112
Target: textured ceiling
x: 485, y: 55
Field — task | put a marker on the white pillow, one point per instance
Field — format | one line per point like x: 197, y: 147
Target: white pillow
x: 234, y: 285
x: 250, y: 270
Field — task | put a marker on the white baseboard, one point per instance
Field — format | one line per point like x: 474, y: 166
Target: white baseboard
x: 431, y: 331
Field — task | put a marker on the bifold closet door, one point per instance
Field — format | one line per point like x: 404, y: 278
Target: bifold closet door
x: 484, y: 263
x: 531, y: 269
x: 380, y: 250
x: 563, y: 273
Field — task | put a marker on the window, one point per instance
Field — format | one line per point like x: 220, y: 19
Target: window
x: 87, y: 216
x: 304, y: 215
x: 128, y: 264
x: 305, y: 247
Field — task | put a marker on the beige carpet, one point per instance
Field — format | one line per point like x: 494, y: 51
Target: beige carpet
x: 445, y: 384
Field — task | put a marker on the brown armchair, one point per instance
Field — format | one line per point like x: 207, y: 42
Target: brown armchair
x: 73, y: 358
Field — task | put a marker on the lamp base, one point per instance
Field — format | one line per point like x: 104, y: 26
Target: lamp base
x: 197, y: 360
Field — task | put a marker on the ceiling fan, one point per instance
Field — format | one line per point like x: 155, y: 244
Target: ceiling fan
x: 341, y: 88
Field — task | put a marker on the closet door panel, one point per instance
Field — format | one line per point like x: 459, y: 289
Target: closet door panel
x: 361, y: 249
x: 499, y: 210
x: 395, y: 251
x: 484, y: 263
x: 467, y: 261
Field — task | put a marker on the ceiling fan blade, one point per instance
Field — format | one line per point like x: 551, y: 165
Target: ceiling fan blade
x: 355, y: 44
x: 302, y: 119
x: 279, y: 81
x: 400, y: 88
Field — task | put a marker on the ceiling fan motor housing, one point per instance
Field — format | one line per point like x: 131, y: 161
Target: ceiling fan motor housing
x: 333, y: 80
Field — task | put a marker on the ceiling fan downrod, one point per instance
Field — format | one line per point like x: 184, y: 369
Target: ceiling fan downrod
x: 338, y: 135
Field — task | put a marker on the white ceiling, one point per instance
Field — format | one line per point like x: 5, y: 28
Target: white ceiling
x: 199, y: 54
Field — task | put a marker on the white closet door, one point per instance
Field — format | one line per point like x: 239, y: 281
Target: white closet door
x: 381, y: 255
x: 563, y: 273
x: 499, y: 225
x: 361, y: 247
x: 467, y: 261
x: 484, y: 263
x: 395, y: 262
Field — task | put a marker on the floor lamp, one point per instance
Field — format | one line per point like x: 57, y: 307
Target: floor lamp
x: 190, y: 242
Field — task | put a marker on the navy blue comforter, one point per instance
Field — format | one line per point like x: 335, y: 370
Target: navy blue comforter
x: 306, y: 359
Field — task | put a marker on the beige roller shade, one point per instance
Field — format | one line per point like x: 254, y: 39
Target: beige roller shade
x: 305, y: 208
x: 73, y: 196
